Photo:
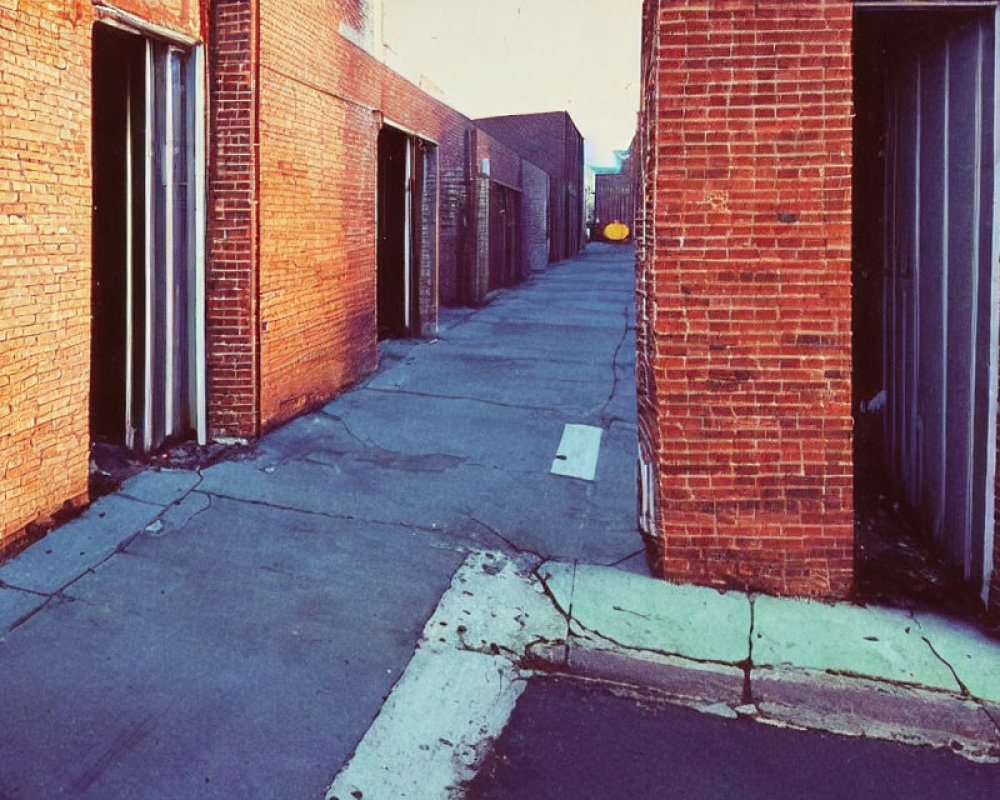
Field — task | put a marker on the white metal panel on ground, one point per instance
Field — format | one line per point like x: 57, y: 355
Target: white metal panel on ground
x: 578, y: 450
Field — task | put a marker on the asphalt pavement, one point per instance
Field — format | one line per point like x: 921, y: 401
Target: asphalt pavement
x: 361, y: 604
x: 234, y: 631
x: 568, y: 740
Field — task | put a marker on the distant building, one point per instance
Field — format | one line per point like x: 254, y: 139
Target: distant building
x: 614, y: 200
x: 551, y: 141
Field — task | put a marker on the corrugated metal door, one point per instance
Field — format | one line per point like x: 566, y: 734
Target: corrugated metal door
x: 939, y: 331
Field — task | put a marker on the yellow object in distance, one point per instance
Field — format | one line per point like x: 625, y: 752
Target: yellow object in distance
x: 616, y: 232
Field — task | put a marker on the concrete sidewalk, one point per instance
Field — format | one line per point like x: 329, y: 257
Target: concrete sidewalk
x: 356, y: 604
x: 878, y: 673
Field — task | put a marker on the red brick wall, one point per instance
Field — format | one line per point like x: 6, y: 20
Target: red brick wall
x: 231, y: 292
x: 321, y: 101
x: 45, y: 209
x: 551, y: 141
x: 744, y: 292
x: 45, y: 250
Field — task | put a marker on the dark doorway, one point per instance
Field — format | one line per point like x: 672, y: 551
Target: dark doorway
x: 924, y: 255
x: 119, y: 98
x: 505, y: 239
x: 398, y: 235
x: 145, y: 340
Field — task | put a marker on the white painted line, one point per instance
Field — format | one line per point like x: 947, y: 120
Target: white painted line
x: 458, y: 690
x: 578, y: 451
x: 433, y: 730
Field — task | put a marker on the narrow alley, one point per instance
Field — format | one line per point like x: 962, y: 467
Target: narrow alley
x: 447, y: 400
x: 158, y: 645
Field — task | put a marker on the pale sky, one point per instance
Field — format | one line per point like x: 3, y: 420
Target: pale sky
x: 496, y: 57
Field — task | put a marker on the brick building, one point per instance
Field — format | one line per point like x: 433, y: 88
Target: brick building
x: 761, y: 205
x: 550, y: 141
x: 211, y: 212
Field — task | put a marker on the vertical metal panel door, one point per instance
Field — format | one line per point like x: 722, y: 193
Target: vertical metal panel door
x: 940, y: 328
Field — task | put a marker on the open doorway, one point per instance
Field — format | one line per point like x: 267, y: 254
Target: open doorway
x: 399, y: 231
x: 505, y: 236
x: 924, y: 228
x: 147, y: 378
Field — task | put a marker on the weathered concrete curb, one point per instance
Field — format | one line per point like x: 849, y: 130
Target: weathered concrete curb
x: 839, y: 668
x: 503, y: 620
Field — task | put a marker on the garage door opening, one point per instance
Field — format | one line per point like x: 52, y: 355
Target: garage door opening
x: 147, y: 379
x: 924, y: 227
x: 407, y: 198
x: 505, y: 236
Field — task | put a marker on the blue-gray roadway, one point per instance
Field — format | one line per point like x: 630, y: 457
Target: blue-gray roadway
x: 232, y: 633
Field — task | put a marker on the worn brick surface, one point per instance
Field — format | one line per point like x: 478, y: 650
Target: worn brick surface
x: 45, y: 204
x: 45, y: 250
x: 322, y: 100
x: 535, y: 216
x: 744, y: 292
x: 550, y: 141
x: 231, y: 291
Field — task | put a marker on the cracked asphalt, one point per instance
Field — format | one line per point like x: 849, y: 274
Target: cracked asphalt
x: 236, y: 630
x: 638, y: 747
x: 356, y: 606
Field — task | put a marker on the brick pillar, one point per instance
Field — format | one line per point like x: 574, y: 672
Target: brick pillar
x: 428, y: 255
x: 231, y: 308
x: 744, y: 293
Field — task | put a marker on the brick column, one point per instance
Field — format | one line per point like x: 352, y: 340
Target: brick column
x: 232, y: 294
x: 744, y: 279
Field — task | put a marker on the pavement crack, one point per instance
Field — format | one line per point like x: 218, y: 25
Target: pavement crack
x: 622, y: 560
x: 747, y: 665
x: 630, y: 611
x: 368, y: 443
x: 461, y: 398
x: 518, y: 549
x: 961, y: 684
x: 326, y: 514
x: 615, y: 379
x: 992, y: 715
x: 632, y: 648
x: 17, y: 623
x: 566, y: 613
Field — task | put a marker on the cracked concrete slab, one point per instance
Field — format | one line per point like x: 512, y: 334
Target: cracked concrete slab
x: 160, y: 487
x: 553, y: 517
x: 974, y: 656
x: 510, y: 439
x: 15, y: 604
x: 80, y: 544
x: 636, y: 613
x: 874, y: 642
x: 495, y: 606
